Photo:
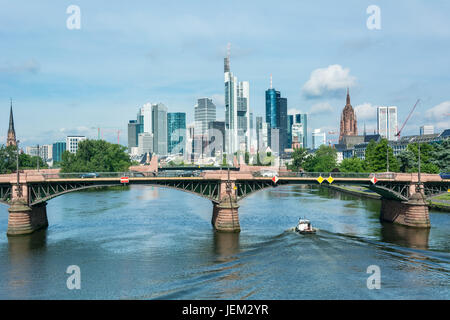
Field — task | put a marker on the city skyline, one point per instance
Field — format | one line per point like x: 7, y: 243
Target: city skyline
x: 76, y: 78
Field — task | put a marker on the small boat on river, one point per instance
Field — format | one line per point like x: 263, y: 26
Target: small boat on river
x: 304, y: 227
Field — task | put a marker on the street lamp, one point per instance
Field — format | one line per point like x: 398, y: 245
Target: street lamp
x: 387, y: 157
x: 38, y: 158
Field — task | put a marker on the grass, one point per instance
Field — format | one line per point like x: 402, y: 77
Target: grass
x: 443, y: 197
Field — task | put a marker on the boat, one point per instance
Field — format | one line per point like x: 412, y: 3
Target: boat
x: 304, y: 227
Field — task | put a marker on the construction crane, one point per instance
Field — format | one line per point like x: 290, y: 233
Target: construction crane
x: 108, y: 129
x: 407, y: 118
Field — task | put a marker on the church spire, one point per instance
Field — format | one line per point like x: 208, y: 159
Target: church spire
x: 11, y: 137
x: 348, y: 97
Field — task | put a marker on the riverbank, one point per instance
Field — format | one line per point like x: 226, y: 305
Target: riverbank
x: 440, y: 203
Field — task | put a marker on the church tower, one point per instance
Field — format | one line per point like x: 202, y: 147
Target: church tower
x: 348, y: 120
x: 11, y: 137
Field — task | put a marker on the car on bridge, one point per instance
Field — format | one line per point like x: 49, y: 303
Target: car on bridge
x: 268, y: 173
x: 445, y: 175
x: 89, y: 175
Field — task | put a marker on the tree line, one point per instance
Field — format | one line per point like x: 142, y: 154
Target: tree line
x: 434, y: 158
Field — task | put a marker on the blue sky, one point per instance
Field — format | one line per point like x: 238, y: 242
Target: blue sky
x: 72, y: 81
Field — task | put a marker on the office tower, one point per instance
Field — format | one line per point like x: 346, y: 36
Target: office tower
x: 303, y: 119
x: 237, y: 111
x: 387, y: 122
x: 159, y: 126
x: 426, y: 130
x: 72, y: 143
x: 348, y: 120
x: 133, y: 132
x: 318, y: 138
x: 11, y: 137
x: 298, y: 135
x: 57, y: 150
x: 176, y: 132
x: 205, y: 112
x: 276, y: 118
x: 289, y: 130
x: 145, y: 143
x: 216, y: 136
x: 145, y: 117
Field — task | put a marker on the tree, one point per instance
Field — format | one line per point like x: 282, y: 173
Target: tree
x: 299, y: 157
x: 96, y: 156
x: 409, y: 158
x: 8, y: 160
x: 352, y: 165
x: 440, y: 156
x: 323, y: 160
x: 376, y: 157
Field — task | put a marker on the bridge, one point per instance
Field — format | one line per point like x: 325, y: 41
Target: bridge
x: 403, y: 195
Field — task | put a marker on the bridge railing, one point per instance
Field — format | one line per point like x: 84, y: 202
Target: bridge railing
x: 355, y: 175
x: 130, y: 174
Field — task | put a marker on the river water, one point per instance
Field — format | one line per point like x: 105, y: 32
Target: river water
x: 156, y: 243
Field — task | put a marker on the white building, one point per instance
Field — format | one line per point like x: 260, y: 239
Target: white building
x: 237, y: 112
x: 426, y: 130
x: 145, y: 143
x: 72, y: 143
x: 146, y: 117
x: 45, y: 152
x: 318, y: 138
x: 387, y: 122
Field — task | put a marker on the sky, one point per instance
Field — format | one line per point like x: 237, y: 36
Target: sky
x: 73, y: 81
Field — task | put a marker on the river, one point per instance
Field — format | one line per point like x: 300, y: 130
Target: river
x: 156, y: 243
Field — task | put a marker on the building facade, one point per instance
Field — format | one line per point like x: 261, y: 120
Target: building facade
x: 159, y: 127
x: 237, y: 112
x: 348, y: 125
x: 426, y: 130
x: 318, y: 138
x: 387, y: 122
x: 72, y: 143
x: 176, y: 132
x: 205, y: 112
x: 277, y: 120
x: 57, y: 150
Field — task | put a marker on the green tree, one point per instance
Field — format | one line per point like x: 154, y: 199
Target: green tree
x: 323, y: 160
x: 352, y: 165
x: 298, y: 159
x: 440, y: 156
x: 96, y: 156
x: 376, y: 157
x: 8, y: 160
x: 409, y: 158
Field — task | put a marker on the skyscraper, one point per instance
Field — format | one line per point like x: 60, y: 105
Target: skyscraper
x: 303, y: 119
x: 11, y: 137
x: 387, y: 122
x: 318, y: 138
x: 159, y: 126
x: 205, y: 112
x: 276, y: 119
x: 176, y: 132
x: 237, y: 110
x: 133, y: 133
x: 348, y: 120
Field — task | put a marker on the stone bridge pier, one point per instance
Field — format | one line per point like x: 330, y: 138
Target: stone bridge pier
x: 24, y: 219
x: 412, y: 213
x: 225, y: 217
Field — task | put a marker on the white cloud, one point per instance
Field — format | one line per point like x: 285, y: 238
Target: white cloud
x: 322, y: 107
x: 294, y: 111
x: 440, y: 114
x: 29, y: 66
x: 366, y: 111
x: 325, y: 81
x: 218, y: 100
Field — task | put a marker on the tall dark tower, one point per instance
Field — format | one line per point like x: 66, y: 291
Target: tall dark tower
x: 348, y: 120
x: 11, y: 137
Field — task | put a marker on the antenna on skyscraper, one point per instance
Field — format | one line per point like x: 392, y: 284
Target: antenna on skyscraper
x: 270, y: 81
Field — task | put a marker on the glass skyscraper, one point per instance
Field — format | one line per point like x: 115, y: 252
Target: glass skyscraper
x: 276, y: 119
x: 205, y: 112
x: 57, y: 150
x: 176, y: 132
